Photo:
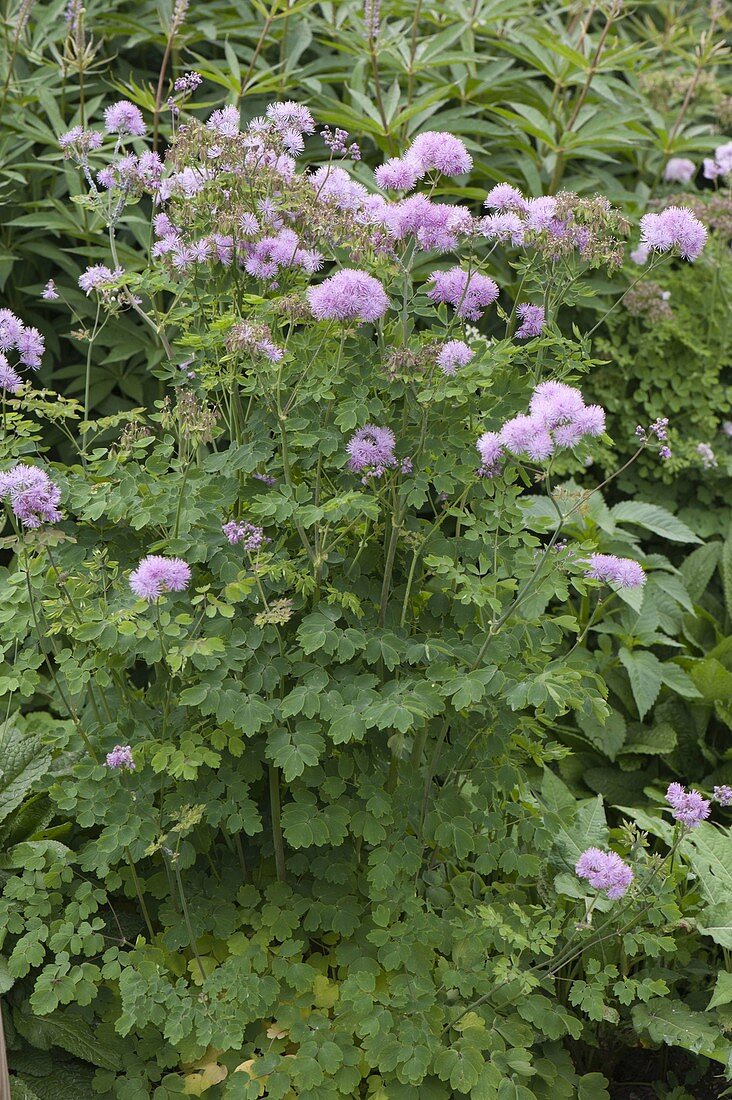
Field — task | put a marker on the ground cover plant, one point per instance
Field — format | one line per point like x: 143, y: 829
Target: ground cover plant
x: 366, y: 676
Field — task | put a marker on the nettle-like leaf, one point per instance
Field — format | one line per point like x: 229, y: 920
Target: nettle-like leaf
x: 24, y: 760
x: 709, y: 851
x: 673, y: 1023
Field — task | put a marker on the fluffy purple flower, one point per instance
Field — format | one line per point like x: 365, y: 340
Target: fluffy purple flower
x: 124, y: 118
x: 33, y: 496
x: 250, y: 536
x: 79, y: 140
x: 723, y: 795
x: 605, y: 871
x: 371, y: 449
x: 527, y: 435
x: 224, y: 122
x: 532, y: 321
x: 454, y: 354
x: 556, y: 403
x: 624, y: 572
x: 349, y: 295
x: 98, y: 277
x: 468, y: 294
x: 541, y: 212
x: 504, y: 197
x: 10, y: 380
x: 490, y: 450
x: 10, y: 329
x: 639, y: 255
x: 30, y: 345
x: 679, y: 170
x: 687, y: 807
x: 504, y: 226
x: 675, y: 227
x: 435, y: 225
x: 442, y: 152
x: 399, y: 173
x: 333, y: 185
x: 49, y: 293
x: 155, y: 575
x: 291, y: 116
x: 121, y: 757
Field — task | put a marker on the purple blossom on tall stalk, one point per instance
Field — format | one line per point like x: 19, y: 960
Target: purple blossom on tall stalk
x: 675, y: 227
x: 605, y: 871
x: 723, y: 795
x: 454, y: 354
x: 10, y: 380
x: 10, y: 329
x: 679, y: 170
x: 469, y: 294
x: 490, y: 449
x: 371, y: 449
x: 33, y: 497
x: 121, y: 758
x: 624, y: 572
x: 188, y: 82
x: 532, y: 321
x: 98, y: 277
x: 687, y: 807
x: 371, y: 18
x: 504, y: 197
x: 399, y: 173
x: 440, y: 152
x: 155, y: 575
x: 124, y: 118
x: 49, y: 292
x: 248, y: 535
x: 30, y: 345
x: 505, y: 226
x: 349, y: 295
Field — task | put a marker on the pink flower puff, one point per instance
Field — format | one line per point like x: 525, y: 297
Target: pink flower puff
x: 349, y: 295
x: 155, y: 575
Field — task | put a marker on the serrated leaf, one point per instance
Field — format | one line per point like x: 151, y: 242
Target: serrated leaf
x: 23, y: 761
x: 63, y: 1030
x: 655, y: 519
x: 722, y: 994
x: 646, y: 676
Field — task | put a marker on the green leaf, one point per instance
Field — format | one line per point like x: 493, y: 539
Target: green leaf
x: 64, y: 1030
x: 656, y: 740
x: 671, y: 1022
x: 697, y: 570
x: 722, y: 990
x: 23, y: 761
x: 589, y: 830
x: 655, y: 519
x: 646, y: 676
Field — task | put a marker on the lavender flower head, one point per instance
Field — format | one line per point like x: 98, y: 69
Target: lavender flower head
x: 121, y: 757
x: 98, y: 277
x: 504, y: 197
x: 687, y: 807
x: 723, y: 795
x: 371, y: 449
x: 30, y: 345
x: 605, y: 871
x: 441, y: 152
x: 490, y: 450
x: 49, y: 292
x: 10, y: 380
x: 33, y: 496
x: 454, y: 354
x: 155, y: 575
x: 10, y: 329
x: 532, y: 318
x: 675, y: 227
x: 469, y: 294
x: 250, y: 536
x: 624, y: 572
x: 124, y: 118
x: 349, y: 295
x: 679, y: 170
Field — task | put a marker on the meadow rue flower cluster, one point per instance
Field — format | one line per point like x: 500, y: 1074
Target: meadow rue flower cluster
x: 371, y: 450
x: 468, y: 292
x: 679, y: 170
x: 121, y: 758
x: 26, y: 342
x: 720, y: 164
x: 33, y: 496
x: 156, y: 574
x: 605, y: 871
x: 558, y: 418
x: 707, y: 456
x: 348, y: 296
x: 675, y: 227
x: 454, y: 354
x: 687, y: 807
x: 723, y: 795
x: 624, y: 572
x: 248, y: 535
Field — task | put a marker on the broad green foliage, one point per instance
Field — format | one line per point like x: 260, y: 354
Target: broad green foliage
x: 370, y: 749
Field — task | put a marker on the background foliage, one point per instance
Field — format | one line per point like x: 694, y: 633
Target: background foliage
x: 345, y: 964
